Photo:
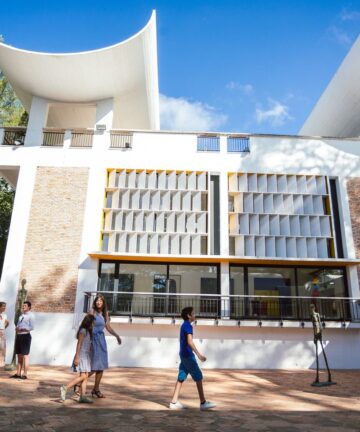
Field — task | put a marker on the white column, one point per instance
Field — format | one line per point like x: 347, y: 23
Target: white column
x: 87, y: 276
x: 225, y: 289
x: 224, y: 215
x: 67, y: 139
x: 104, y: 118
x: 345, y: 220
x: 37, y: 121
x: 16, y: 243
x: 353, y: 281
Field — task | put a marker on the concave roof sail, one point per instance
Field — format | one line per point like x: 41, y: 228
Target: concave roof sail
x: 126, y: 71
x: 337, y: 112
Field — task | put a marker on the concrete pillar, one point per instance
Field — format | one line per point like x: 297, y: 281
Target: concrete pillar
x: 16, y: 244
x: 37, y: 121
x: 224, y: 218
x: 225, y: 289
x: 104, y: 119
x: 67, y: 139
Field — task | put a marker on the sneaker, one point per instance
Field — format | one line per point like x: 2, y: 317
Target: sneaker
x: 16, y: 376
x: 24, y: 377
x: 84, y: 399
x: 63, y: 391
x: 176, y: 406
x: 207, y: 405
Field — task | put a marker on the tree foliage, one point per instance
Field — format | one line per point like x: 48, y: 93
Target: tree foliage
x: 12, y: 112
x: 7, y: 195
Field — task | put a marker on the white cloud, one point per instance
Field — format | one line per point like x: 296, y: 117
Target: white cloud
x: 244, y: 88
x: 349, y: 15
x: 180, y: 114
x: 276, y: 114
x: 340, y: 36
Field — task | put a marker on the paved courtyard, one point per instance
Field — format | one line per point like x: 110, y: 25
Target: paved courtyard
x: 137, y: 400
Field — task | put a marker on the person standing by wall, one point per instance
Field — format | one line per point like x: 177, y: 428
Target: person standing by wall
x: 3, y: 325
x: 23, y: 340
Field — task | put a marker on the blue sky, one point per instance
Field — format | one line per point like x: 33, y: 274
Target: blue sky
x: 239, y: 66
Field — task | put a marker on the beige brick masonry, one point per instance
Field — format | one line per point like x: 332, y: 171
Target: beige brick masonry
x: 353, y: 189
x: 53, y: 242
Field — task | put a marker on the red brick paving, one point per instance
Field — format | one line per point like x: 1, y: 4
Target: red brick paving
x: 137, y: 400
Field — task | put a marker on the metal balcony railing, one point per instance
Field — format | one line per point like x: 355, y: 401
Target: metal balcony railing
x: 208, y: 143
x: 82, y: 138
x: 238, y: 144
x: 122, y: 140
x: 53, y: 138
x: 294, y: 308
x: 237, y: 307
x: 14, y: 136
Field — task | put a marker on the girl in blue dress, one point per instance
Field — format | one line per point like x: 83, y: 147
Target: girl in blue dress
x: 99, y: 357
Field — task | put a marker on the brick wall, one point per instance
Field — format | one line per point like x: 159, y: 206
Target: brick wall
x: 353, y: 189
x: 51, y: 256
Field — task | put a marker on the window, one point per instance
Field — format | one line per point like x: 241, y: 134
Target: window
x: 269, y: 288
x: 238, y: 144
x: 106, y: 282
x: 271, y: 283
x: 198, y: 279
x: 208, y: 143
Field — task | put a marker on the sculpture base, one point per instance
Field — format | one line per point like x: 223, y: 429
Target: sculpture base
x: 323, y: 384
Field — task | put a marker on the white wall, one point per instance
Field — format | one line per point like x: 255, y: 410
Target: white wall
x: 176, y: 151
x: 146, y: 345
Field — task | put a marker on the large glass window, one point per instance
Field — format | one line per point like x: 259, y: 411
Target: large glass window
x: 321, y: 282
x: 149, y: 279
x: 237, y: 287
x: 107, y: 282
x: 197, y: 279
x: 273, y: 283
x: 237, y: 282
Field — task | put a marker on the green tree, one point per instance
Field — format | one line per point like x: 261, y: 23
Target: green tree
x: 12, y: 113
x: 7, y: 195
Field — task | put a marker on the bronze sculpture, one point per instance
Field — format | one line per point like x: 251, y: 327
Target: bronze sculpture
x: 316, y: 322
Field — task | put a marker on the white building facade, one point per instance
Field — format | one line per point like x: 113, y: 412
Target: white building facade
x: 249, y: 229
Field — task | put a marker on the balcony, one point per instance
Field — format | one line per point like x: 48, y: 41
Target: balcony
x: 82, y: 138
x: 53, y: 137
x: 238, y: 144
x: 234, y: 307
x: 208, y: 143
x: 14, y: 136
x: 121, y: 140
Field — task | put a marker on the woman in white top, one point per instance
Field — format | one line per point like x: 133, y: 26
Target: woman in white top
x: 3, y: 324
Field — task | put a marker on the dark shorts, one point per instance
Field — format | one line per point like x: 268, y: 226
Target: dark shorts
x: 22, y: 343
x: 188, y: 365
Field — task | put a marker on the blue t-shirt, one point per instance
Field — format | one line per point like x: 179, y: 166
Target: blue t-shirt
x: 185, y: 350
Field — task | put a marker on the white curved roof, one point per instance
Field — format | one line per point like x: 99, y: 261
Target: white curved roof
x: 337, y: 112
x: 126, y: 72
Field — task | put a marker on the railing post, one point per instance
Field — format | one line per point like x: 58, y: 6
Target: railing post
x: 2, y: 133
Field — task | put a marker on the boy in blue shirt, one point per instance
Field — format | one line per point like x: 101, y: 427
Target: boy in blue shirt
x: 188, y: 364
